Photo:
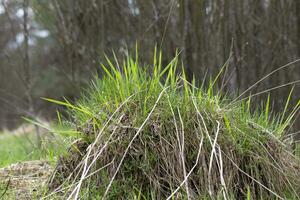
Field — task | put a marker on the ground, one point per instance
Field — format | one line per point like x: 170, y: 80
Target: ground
x: 24, y: 180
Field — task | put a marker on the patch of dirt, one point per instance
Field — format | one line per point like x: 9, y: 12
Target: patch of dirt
x: 24, y: 180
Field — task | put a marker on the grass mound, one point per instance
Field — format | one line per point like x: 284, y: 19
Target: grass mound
x: 141, y: 136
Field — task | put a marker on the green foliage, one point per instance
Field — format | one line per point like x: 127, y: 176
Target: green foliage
x: 17, y: 148
x: 22, y: 147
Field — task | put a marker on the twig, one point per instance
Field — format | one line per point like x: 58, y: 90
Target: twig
x: 6, y: 189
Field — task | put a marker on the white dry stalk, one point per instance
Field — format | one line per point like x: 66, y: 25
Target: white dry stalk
x: 103, y: 147
x: 182, y: 154
x: 59, y: 188
x: 91, y: 146
x: 213, y: 152
x: 265, y: 77
x: 130, y: 143
x: 190, y: 172
x: 268, y: 90
x: 209, y: 138
x: 79, y: 165
x: 225, y: 192
x: 69, y: 186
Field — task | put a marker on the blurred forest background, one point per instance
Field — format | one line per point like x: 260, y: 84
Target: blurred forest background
x: 51, y: 48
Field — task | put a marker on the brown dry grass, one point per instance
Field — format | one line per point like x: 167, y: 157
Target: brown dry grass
x: 24, y: 180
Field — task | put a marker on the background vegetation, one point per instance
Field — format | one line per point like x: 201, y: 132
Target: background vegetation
x: 51, y: 48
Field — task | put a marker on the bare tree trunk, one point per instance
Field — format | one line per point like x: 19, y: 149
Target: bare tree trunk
x: 186, y: 35
x: 27, y: 69
x: 298, y: 26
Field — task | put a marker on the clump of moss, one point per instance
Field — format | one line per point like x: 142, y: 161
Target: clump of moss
x: 154, y: 135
